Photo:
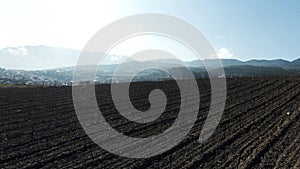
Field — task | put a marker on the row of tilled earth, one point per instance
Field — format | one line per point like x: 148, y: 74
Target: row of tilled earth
x: 259, y: 128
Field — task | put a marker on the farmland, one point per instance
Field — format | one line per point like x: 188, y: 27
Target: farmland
x: 259, y: 128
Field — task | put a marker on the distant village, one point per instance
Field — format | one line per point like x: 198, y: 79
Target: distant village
x: 64, y: 77
x: 15, y: 77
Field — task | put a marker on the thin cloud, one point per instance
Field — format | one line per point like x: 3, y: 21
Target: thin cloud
x: 224, y: 53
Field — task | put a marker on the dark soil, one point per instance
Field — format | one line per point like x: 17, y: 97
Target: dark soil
x: 39, y: 127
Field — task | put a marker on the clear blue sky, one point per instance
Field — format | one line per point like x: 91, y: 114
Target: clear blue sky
x: 242, y: 29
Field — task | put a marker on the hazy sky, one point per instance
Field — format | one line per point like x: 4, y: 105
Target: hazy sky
x: 244, y: 30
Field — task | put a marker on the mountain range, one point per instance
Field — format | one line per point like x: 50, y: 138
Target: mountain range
x: 39, y: 64
x: 264, y: 63
x: 45, y: 57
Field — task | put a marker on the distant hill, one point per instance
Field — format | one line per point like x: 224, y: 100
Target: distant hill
x: 37, y: 57
x: 295, y: 64
x: 249, y: 70
x: 264, y: 63
x: 269, y: 63
x: 211, y: 62
x: 44, y: 57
